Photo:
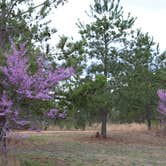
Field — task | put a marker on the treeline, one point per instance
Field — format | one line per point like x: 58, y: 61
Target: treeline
x: 118, y: 69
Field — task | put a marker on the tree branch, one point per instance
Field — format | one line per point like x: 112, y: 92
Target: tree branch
x: 41, y: 4
x: 10, y: 10
x: 16, y: 1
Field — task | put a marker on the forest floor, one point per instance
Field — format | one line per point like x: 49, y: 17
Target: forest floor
x: 126, y: 145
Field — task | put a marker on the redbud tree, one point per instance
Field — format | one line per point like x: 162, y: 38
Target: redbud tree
x: 162, y: 104
x: 18, y: 83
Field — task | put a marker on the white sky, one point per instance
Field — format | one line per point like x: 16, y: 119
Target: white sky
x: 151, y: 15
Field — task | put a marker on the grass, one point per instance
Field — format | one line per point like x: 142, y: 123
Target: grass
x: 126, y: 145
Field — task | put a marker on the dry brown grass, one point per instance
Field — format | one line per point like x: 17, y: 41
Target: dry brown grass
x: 127, y: 127
x: 117, y: 133
x: 127, y: 144
x: 114, y: 127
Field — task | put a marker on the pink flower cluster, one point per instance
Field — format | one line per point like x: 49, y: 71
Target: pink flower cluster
x: 54, y: 113
x: 27, y: 85
x: 162, y: 104
x: 37, y: 86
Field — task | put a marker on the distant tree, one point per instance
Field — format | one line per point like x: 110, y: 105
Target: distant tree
x: 105, y: 37
x: 139, y: 81
x: 90, y: 99
x: 20, y: 87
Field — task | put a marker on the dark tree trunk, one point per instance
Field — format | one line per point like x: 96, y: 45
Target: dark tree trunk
x: 3, y: 139
x: 3, y: 25
x: 2, y: 37
x: 2, y: 134
x: 148, y: 117
x: 104, y: 124
x: 2, y: 122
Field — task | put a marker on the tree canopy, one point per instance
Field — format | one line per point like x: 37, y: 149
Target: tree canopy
x: 21, y: 87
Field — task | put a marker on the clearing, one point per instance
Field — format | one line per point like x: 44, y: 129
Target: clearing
x: 126, y: 145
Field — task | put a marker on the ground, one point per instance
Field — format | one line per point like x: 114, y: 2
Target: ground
x: 126, y: 145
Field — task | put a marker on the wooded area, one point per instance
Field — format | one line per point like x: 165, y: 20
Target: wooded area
x: 115, y: 73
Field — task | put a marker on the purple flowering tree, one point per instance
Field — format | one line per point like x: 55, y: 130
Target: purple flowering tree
x: 162, y: 104
x: 20, y: 84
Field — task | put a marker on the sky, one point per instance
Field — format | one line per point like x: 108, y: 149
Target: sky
x: 150, y: 15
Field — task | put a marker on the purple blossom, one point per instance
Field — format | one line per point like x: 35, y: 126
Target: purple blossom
x: 162, y: 108
x: 2, y: 114
x: 35, y: 86
x: 162, y: 104
x: 62, y: 115
x: 24, y: 84
x: 162, y: 95
x: 22, y: 122
x: 52, y: 113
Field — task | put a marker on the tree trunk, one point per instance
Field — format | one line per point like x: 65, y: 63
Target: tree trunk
x: 3, y: 139
x: 3, y: 25
x: 3, y: 132
x: 104, y: 124
x: 2, y: 38
x: 148, y: 117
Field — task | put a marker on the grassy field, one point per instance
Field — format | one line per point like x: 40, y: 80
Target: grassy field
x: 126, y: 145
